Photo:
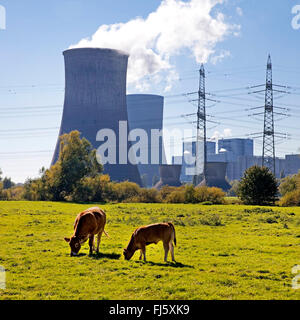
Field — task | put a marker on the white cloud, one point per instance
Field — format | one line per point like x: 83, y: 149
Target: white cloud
x: 239, y: 11
x: 175, y: 26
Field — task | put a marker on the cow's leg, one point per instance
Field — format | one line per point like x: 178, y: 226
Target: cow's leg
x: 172, y: 250
x: 91, y: 243
x: 143, y: 249
x: 141, y: 255
x: 166, y: 247
x: 99, y: 240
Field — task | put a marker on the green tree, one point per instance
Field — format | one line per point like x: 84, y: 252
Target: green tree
x: 258, y: 186
x: 77, y: 160
x: 7, y: 183
x: 288, y: 184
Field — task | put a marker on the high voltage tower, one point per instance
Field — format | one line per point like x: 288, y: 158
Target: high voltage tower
x: 268, y: 154
x: 201, y: 148
x: 269, y: 134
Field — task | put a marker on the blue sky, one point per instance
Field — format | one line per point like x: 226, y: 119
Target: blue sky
x: 32, y: 72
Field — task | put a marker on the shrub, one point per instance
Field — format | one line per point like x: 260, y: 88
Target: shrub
x: 146, y: 196
x: 211, y: 220
x: 288, y: 184
x: 291, y: 199
x: 206, y: 194
x: 149, y: 196
x: 233, y: 201
x: 166, y: 190
x: 258, y: 186
x: 190, y: 194
x: 176, y: 196
x: 14, y: 193
x: 123, y: 190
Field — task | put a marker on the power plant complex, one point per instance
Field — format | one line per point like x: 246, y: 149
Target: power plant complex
x: 96, y: 104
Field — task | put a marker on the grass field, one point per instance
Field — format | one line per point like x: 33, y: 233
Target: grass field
x: 223, y: 252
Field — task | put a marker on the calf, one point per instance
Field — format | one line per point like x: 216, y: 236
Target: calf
x: 88, y: 223
x: 153, y: 233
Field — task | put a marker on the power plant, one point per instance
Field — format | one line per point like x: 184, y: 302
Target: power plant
x: 145, y: 111
x: 169, y: 176
x: 216, y: 176
x: 95, y: 98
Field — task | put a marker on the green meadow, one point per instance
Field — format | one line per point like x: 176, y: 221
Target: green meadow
x: 223, y: 252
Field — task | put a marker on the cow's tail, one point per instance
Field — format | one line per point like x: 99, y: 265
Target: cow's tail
x: 173, y: 228
x: 106, y: 234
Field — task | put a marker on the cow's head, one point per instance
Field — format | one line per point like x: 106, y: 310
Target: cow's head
x: 75, y: 245
x: 128, y: 254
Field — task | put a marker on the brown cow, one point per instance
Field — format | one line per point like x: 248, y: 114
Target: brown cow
x: 152, y: 233
x: 88, y: 223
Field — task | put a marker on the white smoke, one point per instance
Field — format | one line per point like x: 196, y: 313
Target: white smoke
x: 175, y: 26
x: 220, y: 135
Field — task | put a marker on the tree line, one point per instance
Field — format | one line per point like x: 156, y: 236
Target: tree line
x: 77, y: 176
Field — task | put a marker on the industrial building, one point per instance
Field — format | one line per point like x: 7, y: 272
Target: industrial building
x: 216, y: 176
x: 235, y: 148
x: 145, y: 111
x: 188, y: 161
x: 169, y: 176
x: 95, y: 98
x: 238, y: 154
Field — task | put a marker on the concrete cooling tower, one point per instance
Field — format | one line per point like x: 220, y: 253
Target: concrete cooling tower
x: 145, y: 112
x: 95, y: 99
x: 169, y: 176
x: 215, y: 176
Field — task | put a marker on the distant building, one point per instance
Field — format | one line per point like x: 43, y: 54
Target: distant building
x: 239, y: 156
x: 236, y: 148
x: 145, y: 111
x: 292, y: 164
x: 188, y: 158
x: 190, y: 146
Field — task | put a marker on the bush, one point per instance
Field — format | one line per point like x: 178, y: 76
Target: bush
x: 211, y: 220
x: 125, y: 190
x: 166, y: 190
x: 176, y: 196
x: 291, y: 199
x: 14, y: 193
x: 288, y: 184
x: 258, y: 187
x: 206, y: 194
x: 146, y: 196
x: 190, y: 194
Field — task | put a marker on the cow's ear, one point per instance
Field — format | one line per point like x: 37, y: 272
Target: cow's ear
x: 67, y: 239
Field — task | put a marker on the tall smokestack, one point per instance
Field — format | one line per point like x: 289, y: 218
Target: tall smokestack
x: 95, y: 99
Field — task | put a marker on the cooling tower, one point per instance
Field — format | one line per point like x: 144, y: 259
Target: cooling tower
x: 215, y: 176
x: 169, y: 176
x: 145, y: 111
x: 95, y: 98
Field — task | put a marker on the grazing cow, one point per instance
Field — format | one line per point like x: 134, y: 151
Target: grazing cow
x: 88, y: 223
x: 153, y: 233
